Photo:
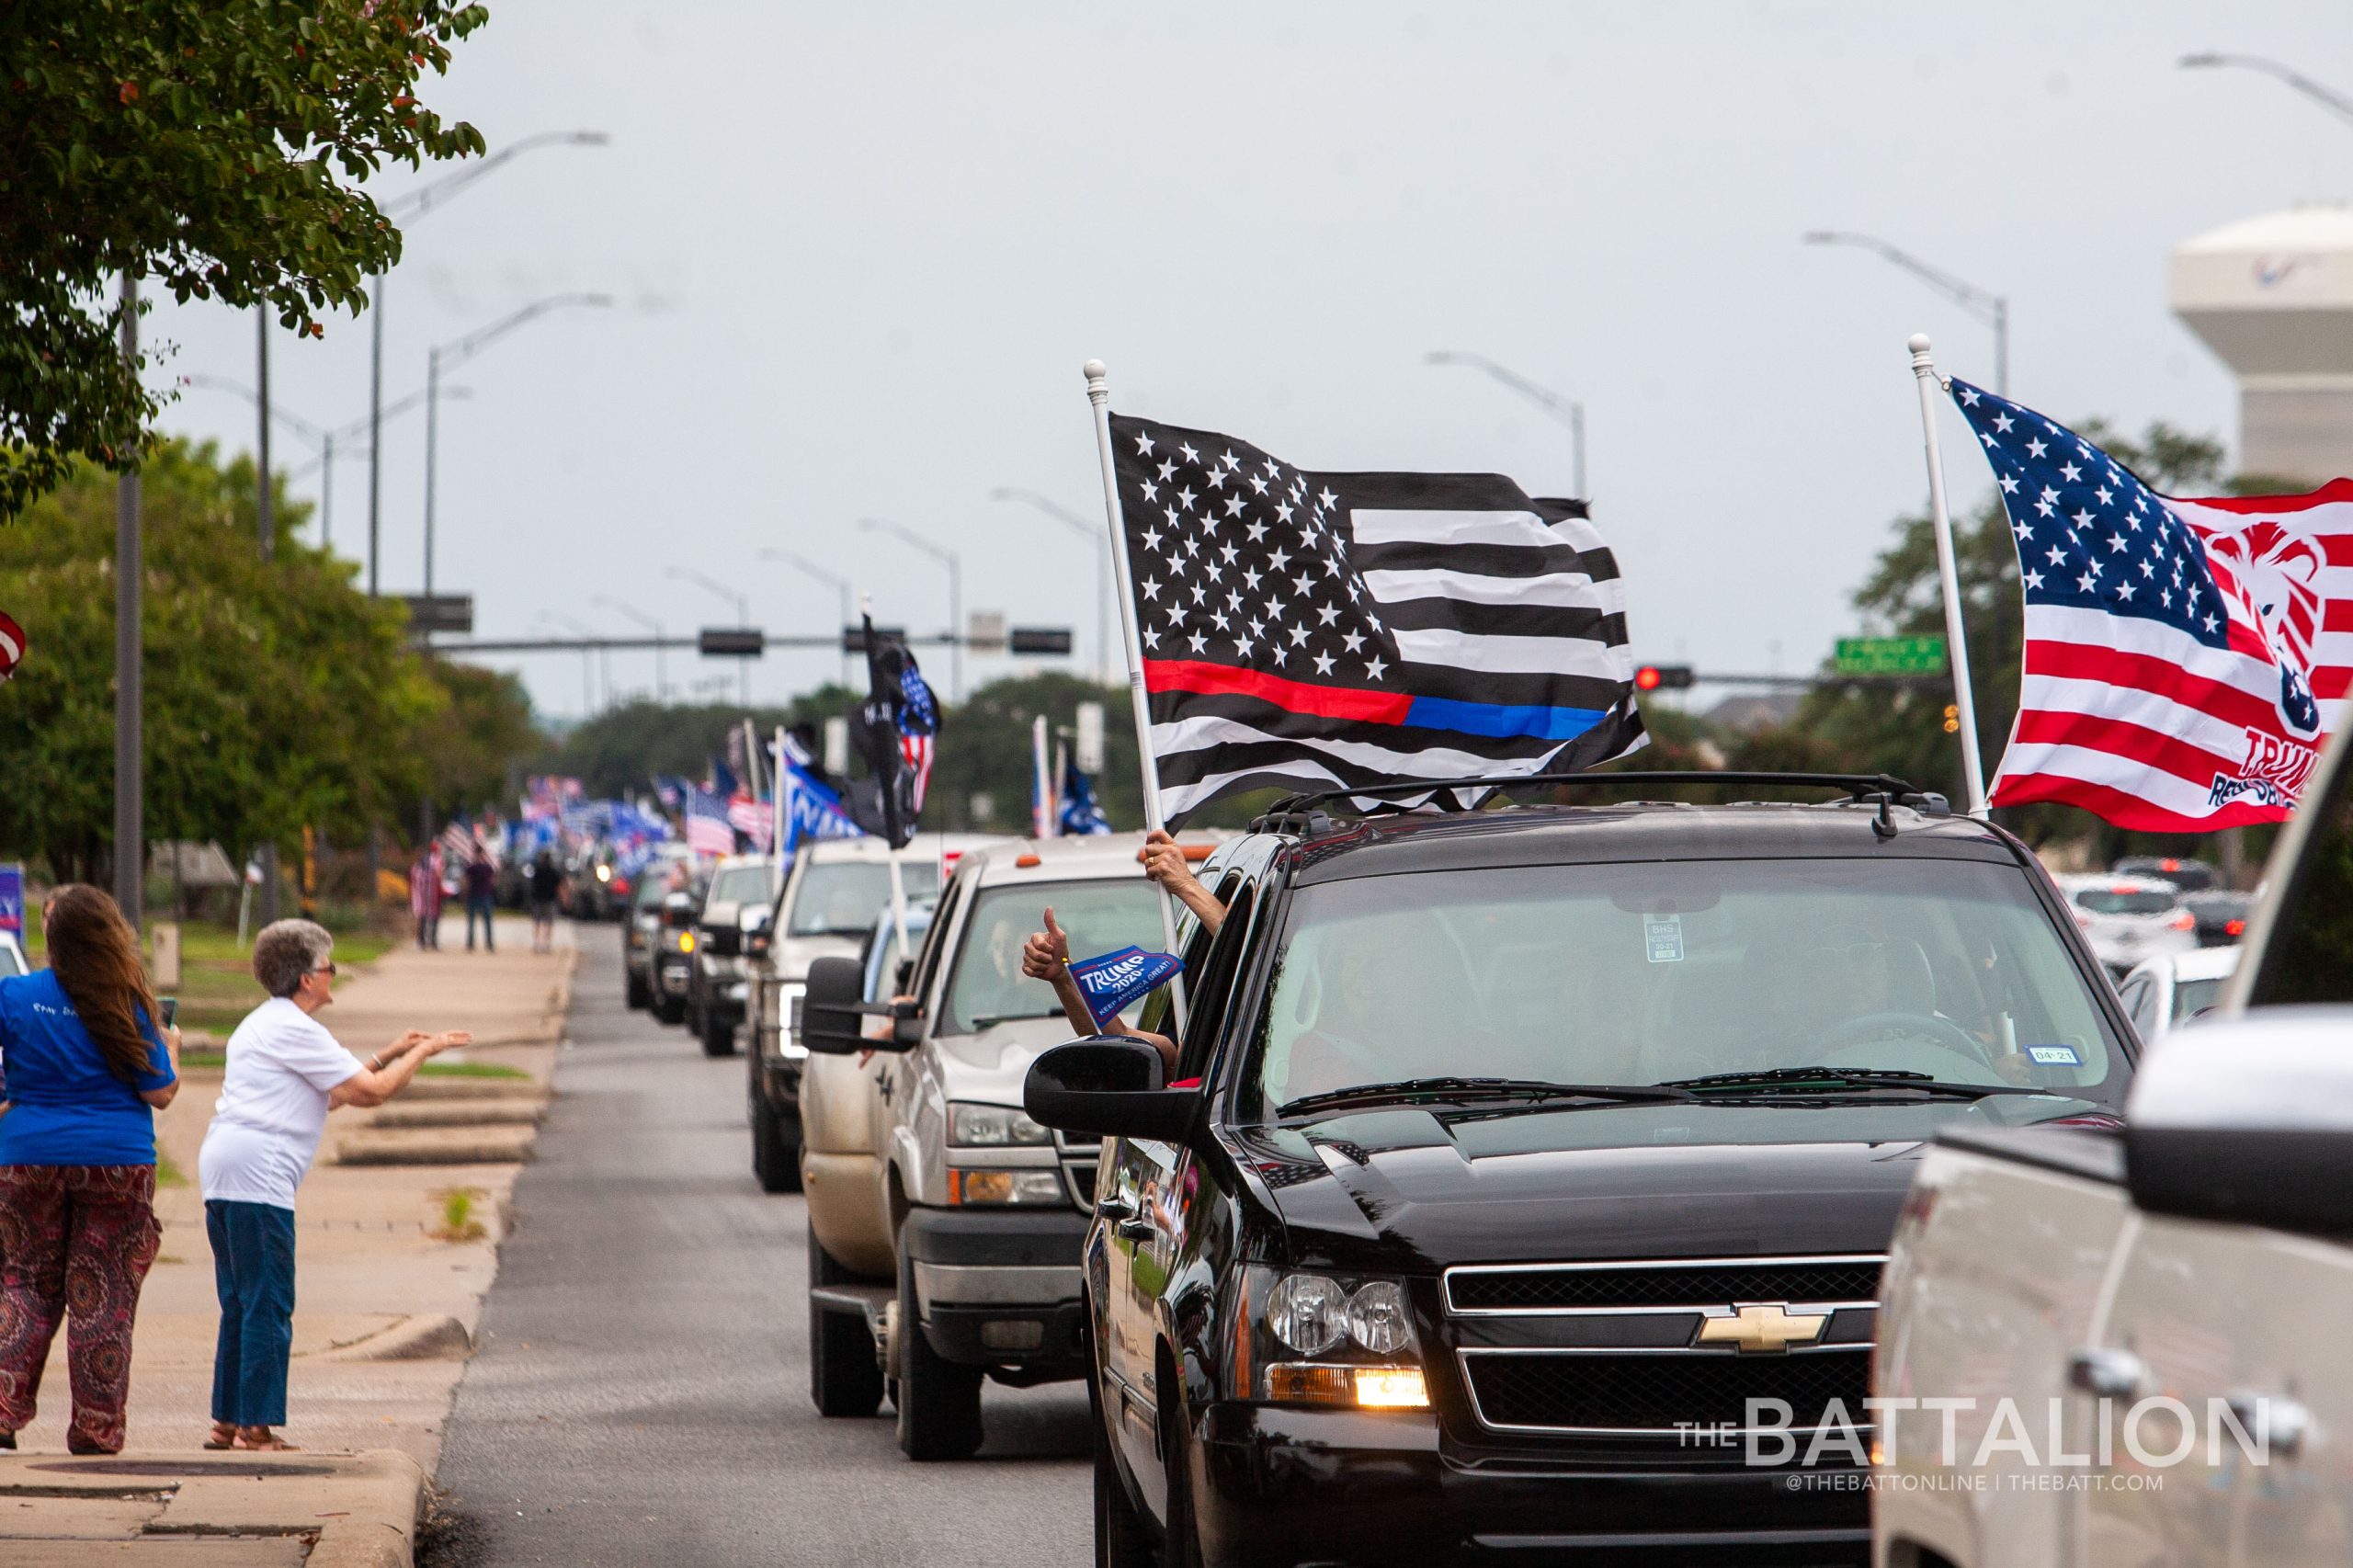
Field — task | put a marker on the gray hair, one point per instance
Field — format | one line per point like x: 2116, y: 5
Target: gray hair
x: 287, y: 950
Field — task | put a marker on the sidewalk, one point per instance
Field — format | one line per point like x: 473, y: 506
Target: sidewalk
x: 387, y: 1297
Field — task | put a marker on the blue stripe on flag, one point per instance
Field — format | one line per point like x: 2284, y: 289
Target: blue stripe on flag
x: 1493, y: 719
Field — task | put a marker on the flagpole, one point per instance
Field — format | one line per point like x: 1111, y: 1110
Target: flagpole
x: 1042, y: 815
x: 776, y: 819
x: 1098, y: 392
x: 1972, y: 767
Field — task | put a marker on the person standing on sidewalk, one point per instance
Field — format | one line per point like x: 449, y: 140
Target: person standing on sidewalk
x: 547, y: 886
x: 86, y: 1067
x: 481, y: 889
x: 284, y: 1073
x: 425, y: 897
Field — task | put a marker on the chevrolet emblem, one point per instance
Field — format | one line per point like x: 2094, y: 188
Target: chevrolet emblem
x: 1770, y: 1326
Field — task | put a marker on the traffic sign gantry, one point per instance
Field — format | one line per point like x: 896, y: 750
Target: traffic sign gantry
x: 1890, y: 656
x: 1041, y: 640
x: 731, y: 641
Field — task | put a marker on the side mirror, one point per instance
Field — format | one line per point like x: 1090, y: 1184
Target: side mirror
x: 2249, y: 1120
x: 1108, y: 1086
x: 831, y: 1008
x: 678, y: 910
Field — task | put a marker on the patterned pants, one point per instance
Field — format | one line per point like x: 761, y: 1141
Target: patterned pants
x: 76, y: 1238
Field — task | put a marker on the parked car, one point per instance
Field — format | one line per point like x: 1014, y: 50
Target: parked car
x: 718, y: 983
x: 1510, y: 1155
x: 2164, y: 1306
x: 831, y: 896
x: 12, y: 956
x: 952, y: 1248
x: 2186, y: 876
x: 2164, y: 993
x: 2221, y: 917
x: 2129, y: 918
x: 641, y: 930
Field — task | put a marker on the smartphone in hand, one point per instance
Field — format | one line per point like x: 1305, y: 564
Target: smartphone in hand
x: 171, y: 1006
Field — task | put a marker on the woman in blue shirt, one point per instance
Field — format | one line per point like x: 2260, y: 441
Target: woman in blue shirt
x: 85, y: 1068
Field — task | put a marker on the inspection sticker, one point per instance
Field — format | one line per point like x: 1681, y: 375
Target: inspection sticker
x: 2055, y: 1055
x: 1662, y: 938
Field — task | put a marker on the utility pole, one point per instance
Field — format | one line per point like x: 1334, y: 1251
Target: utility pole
x: 268, y: 528
x: 375, y: 431
x: 130, y: 824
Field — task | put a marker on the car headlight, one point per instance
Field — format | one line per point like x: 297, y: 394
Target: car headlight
x: 1308, y: 1313
x: 1359, y: 1333
x: 788, y: 1012
x: 992, y: 1127
x: 685, y: 941
x: 1003, y: 1186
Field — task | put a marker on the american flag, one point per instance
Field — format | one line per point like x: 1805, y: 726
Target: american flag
x: 457, y: 845
x: 919, y: 729
x: 2185, y: 659
x: 1325, y: 630
x: 708, y: 830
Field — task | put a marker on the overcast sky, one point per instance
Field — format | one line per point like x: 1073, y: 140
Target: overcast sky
x: 860, y: 253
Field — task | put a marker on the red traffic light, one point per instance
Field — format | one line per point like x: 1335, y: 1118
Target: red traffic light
x: 1646, y: 678
x: 1671, y: 678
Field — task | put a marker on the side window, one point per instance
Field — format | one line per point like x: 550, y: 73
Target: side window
x: 935, y: 941
x: 2136, y: 996
x: 2308, y: 952
x: 1209, y: 997
x: 1192, y: 946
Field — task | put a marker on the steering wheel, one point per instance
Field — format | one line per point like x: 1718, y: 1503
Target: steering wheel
x: 1912, y: 1026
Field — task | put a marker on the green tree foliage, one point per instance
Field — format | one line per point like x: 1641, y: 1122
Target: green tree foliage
x: 277, y: 694
x: 622, y: 750
x: 474, y: 746
x: 210, y: 144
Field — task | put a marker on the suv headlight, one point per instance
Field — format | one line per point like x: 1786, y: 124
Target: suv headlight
x: 1357, y: 1335
x: 966, y: 1187
x: 992, y: 1127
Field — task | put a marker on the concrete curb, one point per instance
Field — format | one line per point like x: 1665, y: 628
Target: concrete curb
x: 424, y: 1336
x: 363, y: 1507
x: 437, y: 1146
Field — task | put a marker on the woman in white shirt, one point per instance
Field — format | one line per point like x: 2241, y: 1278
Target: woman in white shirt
x: 284, y: 1073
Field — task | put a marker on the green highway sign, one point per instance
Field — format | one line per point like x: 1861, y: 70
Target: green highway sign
x: 1890, y: 656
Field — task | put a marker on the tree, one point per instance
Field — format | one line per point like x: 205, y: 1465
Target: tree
x: 470, y: 746
x: 209, y: 143
x: 277, y: 695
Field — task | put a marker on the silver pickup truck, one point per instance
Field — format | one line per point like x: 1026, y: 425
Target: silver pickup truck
x: 2129, y: 1348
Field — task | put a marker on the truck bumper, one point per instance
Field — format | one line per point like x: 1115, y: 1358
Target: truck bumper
x: 1000, y: 1287
x: 1279, y: 1483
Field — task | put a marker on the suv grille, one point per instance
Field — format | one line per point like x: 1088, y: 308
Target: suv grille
x: 1659, y: 1394
x: 1714, y: 1283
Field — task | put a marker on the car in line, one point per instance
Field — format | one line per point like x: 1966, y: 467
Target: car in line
x: 673, y: 943
x: 2186, y: 876
x: 2129, y: 918
x: 726, y: 944
x: 831, y: 893
x: 664, y: 873
x: 1512, y: 1156
x: 951, y: 1245
x: 2164, y: 993
x: 2163, y: 1307
x: 2222, y: 915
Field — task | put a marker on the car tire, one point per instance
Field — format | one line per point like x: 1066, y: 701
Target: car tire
x: 668, y: 1011
x: 639, y: 995
x: 939, y: 1401
x: 1122, y: 1539
x: 774, y: 1160
x: 718, y: 1035
x: 845, y: 1379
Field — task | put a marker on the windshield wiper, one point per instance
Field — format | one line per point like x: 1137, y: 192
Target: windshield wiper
x: 1839, y: 1080
x: 1461, y: 1089
x: 990, y: 1020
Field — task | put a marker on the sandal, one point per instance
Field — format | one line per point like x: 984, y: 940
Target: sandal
x: 269, y: 1442
x: 225, y: 1436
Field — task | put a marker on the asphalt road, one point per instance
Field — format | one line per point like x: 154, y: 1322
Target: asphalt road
x: 641, y: 1392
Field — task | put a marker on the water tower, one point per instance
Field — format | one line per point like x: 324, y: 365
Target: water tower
x: 2273, y: 296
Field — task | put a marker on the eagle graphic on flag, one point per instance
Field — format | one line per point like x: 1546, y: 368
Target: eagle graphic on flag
x: 2185, y: 660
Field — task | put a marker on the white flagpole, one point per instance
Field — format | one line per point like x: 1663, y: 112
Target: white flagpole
x: 1042, y: 799
x: 776, y: 817
x: 1973, y: 768
x: 1098, y: 392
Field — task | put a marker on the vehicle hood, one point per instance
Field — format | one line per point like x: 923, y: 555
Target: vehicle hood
x: 1416, y: 1189
x: 991, y: 1066
x: 793, y: 955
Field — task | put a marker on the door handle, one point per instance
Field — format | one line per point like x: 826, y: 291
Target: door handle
x: 1117, y: 1207
x: 2107, y: 1373
x: 2274, y: 1420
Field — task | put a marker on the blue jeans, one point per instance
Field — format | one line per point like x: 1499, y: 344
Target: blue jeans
x: 484, y: 906
x: 253, y: 1268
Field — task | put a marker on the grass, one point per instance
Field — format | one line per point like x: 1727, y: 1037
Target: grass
x: 193, y: 1057
x: 216, y: 987
x: 166, y: 1173
x: 458, y: 1221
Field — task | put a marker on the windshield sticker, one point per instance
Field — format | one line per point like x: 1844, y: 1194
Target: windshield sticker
x: 2055, y: 1055
x: 1662, y: 938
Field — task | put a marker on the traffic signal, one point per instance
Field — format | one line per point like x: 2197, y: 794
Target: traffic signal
x: 1040, y: 640
x: 1952, y: 717
x: 731, y: 643
x: 1663, y: 677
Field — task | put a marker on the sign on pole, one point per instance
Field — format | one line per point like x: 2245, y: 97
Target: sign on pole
x: 1890, y: 656
x: 1090, y: 737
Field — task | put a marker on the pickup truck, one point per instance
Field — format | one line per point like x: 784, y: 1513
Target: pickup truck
x: 2126, y: 1347
x: 948, y: 1235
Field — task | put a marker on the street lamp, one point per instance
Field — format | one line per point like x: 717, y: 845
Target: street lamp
x: 955, y: 594
x: 661, y: 678
x: 743, y: 619
x: 1567, y: 410
x: 1102, y: 538
x: 838, y: 584
x: 458, y: 351
x: 416, y: 204
x: 2336, y: 103
x: 1984, y: 304
x: 588, y: 692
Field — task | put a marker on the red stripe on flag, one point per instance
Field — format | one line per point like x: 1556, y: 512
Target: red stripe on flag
x: 2134, y: 743
x: 2335, y: 489
x: 1295, y: 696
x: 2113, y: 666
x: 2128, y: 812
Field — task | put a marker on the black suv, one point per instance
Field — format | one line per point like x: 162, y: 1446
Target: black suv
x: 1512, y: 1156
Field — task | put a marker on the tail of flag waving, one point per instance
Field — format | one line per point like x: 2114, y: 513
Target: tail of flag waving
x: 2185, y: 660
x: 1323, y: 631
x: 708, y: 830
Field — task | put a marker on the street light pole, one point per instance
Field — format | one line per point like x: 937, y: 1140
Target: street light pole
x: 2336, y: 103
x: 743, y: 617
x: 661, y: 665
x: 416, y: 204
x: 1568, y: 411
x: 955, y: 594
x: 587, y: 690
x: 268, y: 526
x: 1102, y: 540
x: 456, y: 352
x: 129, y: 799
x: 838, y: 584
x: 1984, y: 304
